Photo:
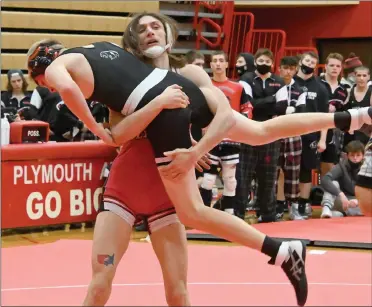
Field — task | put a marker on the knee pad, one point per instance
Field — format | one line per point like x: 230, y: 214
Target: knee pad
x: 229, y: 179
x: 208, y: 181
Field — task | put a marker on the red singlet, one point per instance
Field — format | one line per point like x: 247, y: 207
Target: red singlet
x: 134, y: 182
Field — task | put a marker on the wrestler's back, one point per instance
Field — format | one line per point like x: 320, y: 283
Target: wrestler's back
x: 116, y: 73
x: 125, y: 84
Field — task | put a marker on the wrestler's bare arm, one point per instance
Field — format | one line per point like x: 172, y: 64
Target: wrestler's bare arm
x: 58, y: 76
x: 124, y: 129
x: 224, y: 119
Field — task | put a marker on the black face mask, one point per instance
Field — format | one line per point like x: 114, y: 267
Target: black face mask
x: 355, y: 165
x: 263, y: 69
x: 306, y: 69
x: 241, y: 69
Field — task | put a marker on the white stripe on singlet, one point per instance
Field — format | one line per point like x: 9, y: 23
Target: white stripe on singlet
x: 153, y: 79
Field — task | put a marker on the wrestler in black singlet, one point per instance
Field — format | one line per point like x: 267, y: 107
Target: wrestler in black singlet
x: 125, y: 84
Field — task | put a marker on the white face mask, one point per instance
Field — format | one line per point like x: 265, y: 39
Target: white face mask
x: 155, y: 51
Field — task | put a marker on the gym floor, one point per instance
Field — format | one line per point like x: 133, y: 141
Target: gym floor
x: 52, y: 267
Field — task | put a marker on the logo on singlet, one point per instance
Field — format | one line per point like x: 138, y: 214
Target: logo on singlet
x: 109, y: 54
x: 59, y: 105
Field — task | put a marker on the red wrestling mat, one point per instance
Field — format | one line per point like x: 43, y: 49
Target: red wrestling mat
x: 58, y: 274
x: 351, y: 229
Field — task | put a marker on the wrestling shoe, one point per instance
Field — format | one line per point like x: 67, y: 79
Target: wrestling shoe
x: 359, y: 117
x: 291, y: 257
x: 294, y: 214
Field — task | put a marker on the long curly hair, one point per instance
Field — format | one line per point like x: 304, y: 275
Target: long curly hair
x: 130, y: 39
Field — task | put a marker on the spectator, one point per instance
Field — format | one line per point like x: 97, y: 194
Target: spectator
x: 244, y: 63
x: 195, y: 57
x: 361, y: 96
x: 269, y: 99
x: 351, y: 63
x: 225, y: 154
x: 291, y: 148
x: 16, y: 94
x: 363, y: 188
x: 314, y: 143
x: 338, y: 97
x: 48, y: 106
x: 339, y: 184
x: 101, y: 114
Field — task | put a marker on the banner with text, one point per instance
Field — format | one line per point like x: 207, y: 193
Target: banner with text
x: 46, y: 192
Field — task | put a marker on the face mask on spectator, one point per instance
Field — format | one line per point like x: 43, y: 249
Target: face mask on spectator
x: 263, y: 69
x: 307, y: 70
x: 355, y: 165
x: 241, y: 69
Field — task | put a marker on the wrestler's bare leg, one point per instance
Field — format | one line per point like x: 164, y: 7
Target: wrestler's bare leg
x: 364, y: 197
x: 170, y: 246
x: 258, y: 133
x: 186, y: 198
x: 111, y: 237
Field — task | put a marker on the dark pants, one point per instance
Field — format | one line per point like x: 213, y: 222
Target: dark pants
x: 261, y: 162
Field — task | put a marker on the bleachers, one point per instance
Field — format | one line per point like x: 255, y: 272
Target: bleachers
x: 75, y: 23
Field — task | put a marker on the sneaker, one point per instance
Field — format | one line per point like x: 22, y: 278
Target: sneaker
x: 252, y: 205
x: 326, y: 213
x: 280, y: 207
x: 291, y: 257
x: 294, y: 214
x: 286, y: 207
x: 337, y: 214
x: 268, y: 219
x: 305, y: 210
x: 308, y: 211
x: 279, y: 216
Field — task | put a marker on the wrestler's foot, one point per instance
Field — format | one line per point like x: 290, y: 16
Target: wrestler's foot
x: 359, y: 117
x: 291, y: 257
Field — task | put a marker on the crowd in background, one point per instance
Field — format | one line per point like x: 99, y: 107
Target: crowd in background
x: 43, y: 105
x: 270, y: 179
x: 278, y: 177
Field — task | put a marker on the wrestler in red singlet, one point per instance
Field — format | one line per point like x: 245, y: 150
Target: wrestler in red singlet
x: 134, y: 184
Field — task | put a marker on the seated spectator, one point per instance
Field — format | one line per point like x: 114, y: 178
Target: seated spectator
x: 16, y: 94
x: 363, y: 188
x: 339, y: 184
x: 101, y: 114
x: 48, y: 106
